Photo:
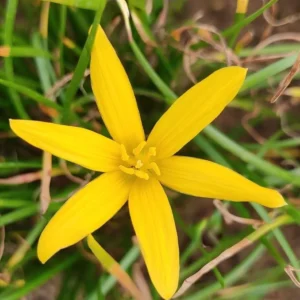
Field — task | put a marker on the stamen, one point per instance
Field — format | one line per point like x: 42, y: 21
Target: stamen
x: 141, y: 174
x: 126, y: 170
x: 124, y: 154
x: 153, y: 166
x: 151, y: 152
x: 136, y: 151
x: 139, y: 164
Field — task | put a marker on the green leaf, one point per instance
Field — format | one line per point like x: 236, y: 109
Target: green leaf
x: 83, y: 62
x: 86, y: 4
x: 139, y: 4
x: 293, y: 212
x: 31, y: 94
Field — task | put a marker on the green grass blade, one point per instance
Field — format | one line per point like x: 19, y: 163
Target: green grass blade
x: 11, y: 10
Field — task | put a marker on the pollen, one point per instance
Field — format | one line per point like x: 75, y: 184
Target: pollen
x: 140, y: 162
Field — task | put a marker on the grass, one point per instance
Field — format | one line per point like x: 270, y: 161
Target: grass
x: 55, y: 45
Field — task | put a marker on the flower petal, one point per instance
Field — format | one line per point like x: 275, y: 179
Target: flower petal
x: 114, y: 94
x: 195, y: 109
x: 84, y: 212
x: 203, y: 178
x: 78, y: 145
x: 154, y: 225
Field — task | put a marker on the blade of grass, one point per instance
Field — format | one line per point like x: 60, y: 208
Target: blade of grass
x: 268, y: 72
x: 93, y: 5
x: 11, y: 10
x: 83, y: 62
x: 241, y: 10
x: 240, y: 25
x: 43, y: 276
x: 62, y: 32
x: 13, y: 203
x: 244, y: 243
x: 19, y: 165
x: 280, y: 237
x: 23, y: 52
x: 31, y: 94
x: 23, y: 249
x: 272, y: 49
x: 232, y: 277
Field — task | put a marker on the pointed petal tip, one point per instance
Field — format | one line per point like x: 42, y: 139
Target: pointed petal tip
x: 42, y: 260
x: 16, y: 125
x: 167, y: 295
x: 44, y: 253
x: 275, y: 199
x: 236, y: 70
x: 167, y: 291
x: 12, y: 122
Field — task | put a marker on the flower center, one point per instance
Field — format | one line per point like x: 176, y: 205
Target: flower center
x: 141, y: 162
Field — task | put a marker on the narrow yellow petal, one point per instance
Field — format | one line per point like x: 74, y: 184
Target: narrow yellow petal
x: 84, y: 212
x: 203, y: 178
x: 114, y: 94
x: 195, y: 109
x: 154, y: 225
x: 78, y: 145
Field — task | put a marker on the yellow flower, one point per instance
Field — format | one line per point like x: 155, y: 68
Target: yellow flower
x: 135, y: 167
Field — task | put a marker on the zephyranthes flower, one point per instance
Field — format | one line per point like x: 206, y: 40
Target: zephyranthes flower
x: 135, y: 167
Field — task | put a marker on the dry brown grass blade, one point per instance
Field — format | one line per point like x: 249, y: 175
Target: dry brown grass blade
x: 188, y: 60
x: 281, y: 112
x: 273, y: 12
x: 68, y: 174
x: 140, y: 281
x: 276, y: 23
x: 149, y: 6
x: 19, y: 253
x: 286, y: 80
x: 205, y: 33
x: 51, y: 93
x: 244, y: 41
x: 2, y: 240
x: 140, y: 28
x: 220, y: 46
x: 227, y: 293
x: 245, y: 122
x: 270, y: 40
x: 162, y: 18
x: 290, y: 271
x: 212, y: 264
x: 21, y: 179
x: 32, y: 176
x: 230, y: 218
x: 45, y: 197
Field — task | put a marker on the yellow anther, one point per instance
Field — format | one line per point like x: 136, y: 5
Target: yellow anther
x: 136, y: 151
x: 152, y: 151
x: 153, y: 166
x: 141, y: 174
x: 126, y: 170
x: 139, y: 164
x: 124, y: 154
